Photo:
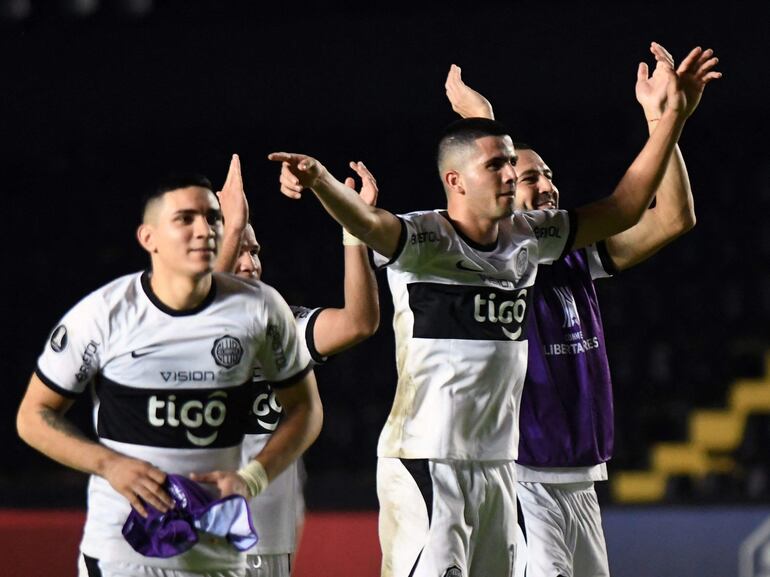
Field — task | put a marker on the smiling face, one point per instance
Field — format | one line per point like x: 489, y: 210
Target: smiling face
x: 181, y: 231
x: 535, y: 189
x: 487, y: 177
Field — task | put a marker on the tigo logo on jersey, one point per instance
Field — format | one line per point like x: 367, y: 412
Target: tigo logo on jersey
x: 505, y: 313
x: 227, y: 351
x: 192, y: 414
x: 266, y: 411
x: 445, y: 311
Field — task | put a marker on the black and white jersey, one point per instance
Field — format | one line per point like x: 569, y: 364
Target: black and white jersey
x: 459, y: 316
x: 169, y: 387
x: 274, y: 511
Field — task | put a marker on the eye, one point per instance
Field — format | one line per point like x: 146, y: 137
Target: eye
x: 254, y: 252
x: 214, y: 217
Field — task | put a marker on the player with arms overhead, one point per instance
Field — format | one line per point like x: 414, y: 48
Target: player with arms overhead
x: 566, y: 421
x: 461, y: 280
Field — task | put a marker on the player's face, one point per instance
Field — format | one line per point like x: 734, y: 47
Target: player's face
x: 489, y: 178
x: 535, y: 189
x: 248, y: 265
x: 185, y: 233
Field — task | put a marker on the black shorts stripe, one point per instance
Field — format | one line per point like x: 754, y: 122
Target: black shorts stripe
x: 92, y: 566
x: 520, y: 517
x: 420, y: 472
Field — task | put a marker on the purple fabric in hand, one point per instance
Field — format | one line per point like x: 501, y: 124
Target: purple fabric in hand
x: 174, y: 532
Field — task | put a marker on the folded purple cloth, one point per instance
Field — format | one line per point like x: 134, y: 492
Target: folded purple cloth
x: 176, y: 531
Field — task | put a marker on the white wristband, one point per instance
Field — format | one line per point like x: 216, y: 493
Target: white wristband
x: 350, y: 240
x: 255, y: 477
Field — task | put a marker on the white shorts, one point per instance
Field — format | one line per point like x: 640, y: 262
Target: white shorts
x: 563, y: 529
x: 90, y: 567
x: 268, y: 565
x: 446, y: 518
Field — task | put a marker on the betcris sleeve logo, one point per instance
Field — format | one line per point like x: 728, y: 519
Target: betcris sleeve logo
x: 444, y: 311
x: 171, y: 418
x: 264, y: 410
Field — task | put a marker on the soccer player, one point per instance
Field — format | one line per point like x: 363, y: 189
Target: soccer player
x: 461, y: 280
x: 168, y: 356
x: 323, y: 332
x: 566, y: 420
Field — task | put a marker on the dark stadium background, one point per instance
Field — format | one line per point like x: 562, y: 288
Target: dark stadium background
x: 94, y: 106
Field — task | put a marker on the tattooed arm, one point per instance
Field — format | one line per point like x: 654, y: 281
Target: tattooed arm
x: 41, y: 422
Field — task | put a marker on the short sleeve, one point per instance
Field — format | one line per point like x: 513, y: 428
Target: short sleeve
x: 281, y: 354
x: 75, y: 347
x: 599, y: 261
x: 306, y: 318
x: 423, y: 235
x: 554, y: 231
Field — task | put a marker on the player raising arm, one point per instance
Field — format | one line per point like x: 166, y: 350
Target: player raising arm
x: 566, y: 421
x: 323, y: 332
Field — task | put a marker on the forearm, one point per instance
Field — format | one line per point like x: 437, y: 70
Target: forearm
x: 51, y: 433
x: 362, y: 302
x: 674, y: 204
x: 375, y: 227
x: 634, y: 193
x: 298, y: 429
x: 228, y: 251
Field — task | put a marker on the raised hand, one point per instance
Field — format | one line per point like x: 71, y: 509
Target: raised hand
x: 694, y: 72
x: 298, y: 172
x: 139, y: 482
x: 369, y: 190
x: 232, y: 198
x: 465, y: 101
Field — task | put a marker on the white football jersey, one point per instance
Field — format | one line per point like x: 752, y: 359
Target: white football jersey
x: 274, y: 512
x: 459, y: 315
x: 169, y: 387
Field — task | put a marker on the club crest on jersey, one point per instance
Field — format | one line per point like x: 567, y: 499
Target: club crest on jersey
x: 453, y: 572
x: 227, y: 351
x: 59, y: 339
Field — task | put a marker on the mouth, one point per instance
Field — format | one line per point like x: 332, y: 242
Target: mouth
x: 205, y: 251
x: 545, y: 203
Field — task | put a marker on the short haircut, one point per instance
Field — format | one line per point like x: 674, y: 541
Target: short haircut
x: 464, y: 132
x: 522, y: 146
x: 169, y: 183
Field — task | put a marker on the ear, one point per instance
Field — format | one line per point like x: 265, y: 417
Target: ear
x: 145, y: 236
x: 454, y: 182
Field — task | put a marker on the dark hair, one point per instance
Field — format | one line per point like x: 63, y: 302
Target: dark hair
x: 173, y: 182
x: 466, y: 131
x: 522, y: 146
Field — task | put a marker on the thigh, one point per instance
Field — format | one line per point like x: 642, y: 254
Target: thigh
x: 423, y: 529
x: 494, y: 547
x: 268, y: 565
x: 549, y: 546
x: 590, y: 553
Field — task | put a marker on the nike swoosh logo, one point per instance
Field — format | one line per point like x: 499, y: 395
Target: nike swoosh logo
x: 462, y: 266
x: 142, y: 353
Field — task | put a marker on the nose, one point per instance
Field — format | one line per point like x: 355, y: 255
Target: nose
x: 510, y: 174
x: 203, y: 228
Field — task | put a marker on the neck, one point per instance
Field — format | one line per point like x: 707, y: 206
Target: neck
x: 180, y: 292
x: 482, y: 231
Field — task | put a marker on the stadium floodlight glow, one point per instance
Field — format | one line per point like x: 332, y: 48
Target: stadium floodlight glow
x: 15, y: 10
x: 80, y: 8
x: 136, y: 8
